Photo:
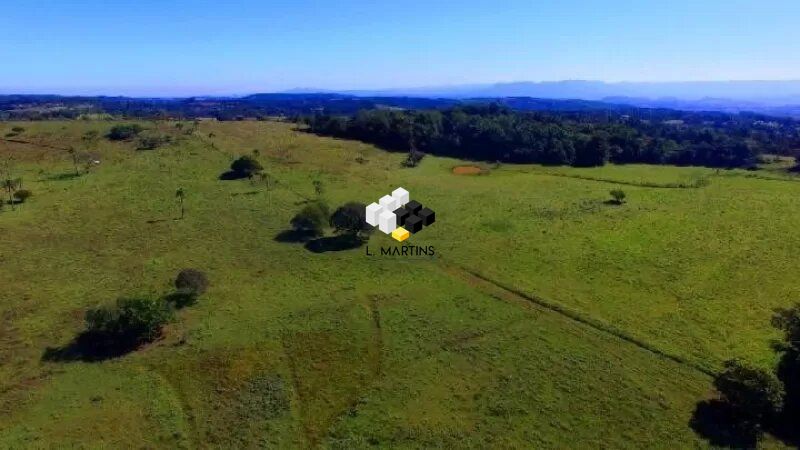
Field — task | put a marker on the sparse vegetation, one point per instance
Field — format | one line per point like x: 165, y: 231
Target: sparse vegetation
x: 153, y: 142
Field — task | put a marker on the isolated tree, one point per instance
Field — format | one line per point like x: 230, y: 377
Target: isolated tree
x: 350, y: 219
x: 246, y: 166
x: 11, y: 185
x: 754, y: 394
x: 74, y: 154
x: 319, y: 188
x: 618, y: 196
x: 180, y: 194
x: 311, y: 219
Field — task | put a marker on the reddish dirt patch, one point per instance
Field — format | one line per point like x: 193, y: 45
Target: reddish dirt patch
x: 467, y: 170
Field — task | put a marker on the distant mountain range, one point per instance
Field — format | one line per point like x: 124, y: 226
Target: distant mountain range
x: 768, y: 97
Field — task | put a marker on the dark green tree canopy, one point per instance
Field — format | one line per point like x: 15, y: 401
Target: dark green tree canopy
x: 754, y: 392
x: 124, y: 132
x: 312, y: 218
x: 495, y: 133
x: 246, y: 166
x: 350, y: 219
x: 132, y: 322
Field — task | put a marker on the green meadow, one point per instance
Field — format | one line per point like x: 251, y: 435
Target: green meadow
x: 547, y: 318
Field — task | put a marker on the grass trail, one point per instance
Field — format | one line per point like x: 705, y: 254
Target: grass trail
x: 479, y: 281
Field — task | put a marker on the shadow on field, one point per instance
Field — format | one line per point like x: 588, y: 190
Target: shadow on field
x: 334, y: 243
x: 316, y: 244
x: 85, y: 348
x: 61, y: 176
x: 295, y: 236
x: 231, y: 175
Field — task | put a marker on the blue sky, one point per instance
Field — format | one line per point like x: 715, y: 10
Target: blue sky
x: 227, y: 47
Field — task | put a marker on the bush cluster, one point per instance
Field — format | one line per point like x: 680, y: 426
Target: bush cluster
x: 135, y: 321
x: 124, y: 132
x: 129, y: 324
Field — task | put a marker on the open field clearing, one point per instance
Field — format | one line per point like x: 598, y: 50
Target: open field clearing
x: 548, y: 317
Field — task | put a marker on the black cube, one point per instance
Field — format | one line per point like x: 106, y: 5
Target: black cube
x: 402, y: 214
x: 413, y: 206
x: 413, y: 224
x: 427, y: 215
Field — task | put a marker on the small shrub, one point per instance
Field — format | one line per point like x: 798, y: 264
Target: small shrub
x: 618, y: 196
x: 22, y: 195
x: 90, y: 135
x: 153, y: 142
x: 413, y: 159
x: 18, y: 130
x: 191, y: 281
x: 132, y: 322
x: 124, y: 132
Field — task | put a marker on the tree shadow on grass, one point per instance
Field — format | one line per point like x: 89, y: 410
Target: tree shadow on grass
x: 85, y: 347
x: 334, y: 243
x: 61, y: 176
x: 718, y: 423
x: 295, y: 236
x: 231, y: 175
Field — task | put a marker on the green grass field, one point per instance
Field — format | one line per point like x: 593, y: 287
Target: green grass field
x: 546, y: 319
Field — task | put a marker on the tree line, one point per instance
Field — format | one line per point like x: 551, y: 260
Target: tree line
x: 495, y: 133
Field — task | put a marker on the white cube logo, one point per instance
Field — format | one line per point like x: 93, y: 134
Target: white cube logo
x: 389, y: 203
x: 401, y: 196
x: 387, y: 222
x: 374, y: 210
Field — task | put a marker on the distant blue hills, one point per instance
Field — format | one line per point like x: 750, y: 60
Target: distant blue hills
x: 768, y: 97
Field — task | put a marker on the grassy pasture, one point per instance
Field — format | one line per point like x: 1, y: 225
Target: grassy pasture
x: 291, y: 348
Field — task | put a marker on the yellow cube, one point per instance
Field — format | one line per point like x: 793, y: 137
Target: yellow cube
x: 400, y: 234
